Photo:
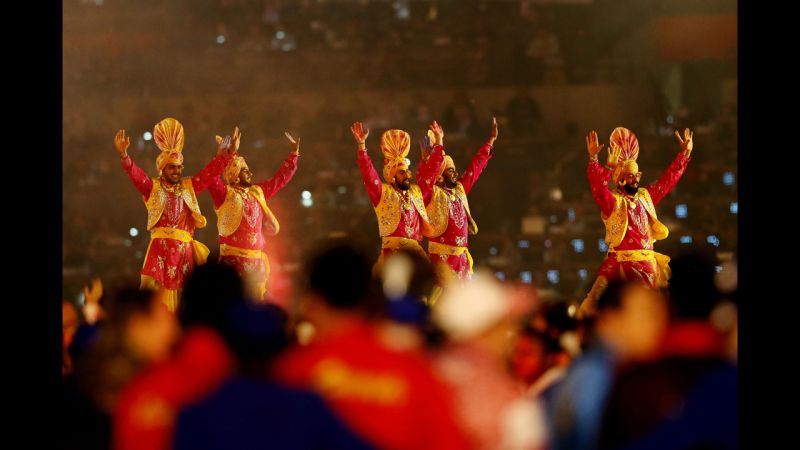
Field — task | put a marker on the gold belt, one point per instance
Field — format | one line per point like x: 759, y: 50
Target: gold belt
x: 633, y: 255
x: 229, y: 250
x: 444, y: 249
x: 170, y: 233
x: 397, y: 243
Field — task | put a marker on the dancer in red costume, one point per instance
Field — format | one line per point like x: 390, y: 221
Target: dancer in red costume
x: 628, y: 211
x: 242, y: 212
x: 402, y: 219
x: 172, y: 209
x: 445, y: 196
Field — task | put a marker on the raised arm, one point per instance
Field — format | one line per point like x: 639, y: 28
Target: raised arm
x: 674, y: 172
x: 226, y: 150
x: 285, y: 172
x: 372, y: 181
x: 599, y: 176
x: 479, y: 161
x: 140, y: 180
x: 433, y: 155
x: 425, y: 148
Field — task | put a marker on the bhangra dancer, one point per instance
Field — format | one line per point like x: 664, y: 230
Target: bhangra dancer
x: 445, y: 197
x: 242, y: 215
x: 172, y: 209
x: 629, y: 213
x: 398, y: 204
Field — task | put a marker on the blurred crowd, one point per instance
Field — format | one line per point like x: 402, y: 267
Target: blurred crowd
x: 362, y: 361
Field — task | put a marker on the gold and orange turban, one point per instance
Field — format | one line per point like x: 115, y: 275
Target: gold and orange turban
x: 234, y: 167
x: 447, y: 163
x: 395, y: 145
x: 624, y: 139
x: 168, y: 135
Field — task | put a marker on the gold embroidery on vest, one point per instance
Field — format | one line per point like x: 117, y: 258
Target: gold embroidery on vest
x: 617, y: 222
x: 388, y: 209
x: 158, y: 199
x: 229, y: 214
x: 439, y: 209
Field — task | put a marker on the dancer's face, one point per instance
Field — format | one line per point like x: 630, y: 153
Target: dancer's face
x: 402, y: 179
x: 450, y: 176
x: 245, y: 177
x: 631, y: 182
x: 172, y: 172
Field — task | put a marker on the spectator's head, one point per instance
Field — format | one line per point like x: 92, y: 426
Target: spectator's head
x: 483, y: 312
x: 631, y: 319
x: 692, y: 290
x: 339, y: 276
x: 338, y: 288
x: 211, y: 289
x: 534, y: 352
x: 148, y: 328
x: 255, y: 334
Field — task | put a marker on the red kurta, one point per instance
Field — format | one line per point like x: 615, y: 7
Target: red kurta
x: 169, y: 261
